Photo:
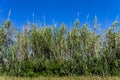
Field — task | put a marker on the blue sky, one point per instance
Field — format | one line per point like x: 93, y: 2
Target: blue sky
x: 58, y: 11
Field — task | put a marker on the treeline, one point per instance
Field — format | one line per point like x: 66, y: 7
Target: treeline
x: 53, y: 51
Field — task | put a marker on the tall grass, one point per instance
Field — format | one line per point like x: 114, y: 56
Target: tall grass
x: 55, y: 51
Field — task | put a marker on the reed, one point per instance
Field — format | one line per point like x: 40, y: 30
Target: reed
x: 50, y: 50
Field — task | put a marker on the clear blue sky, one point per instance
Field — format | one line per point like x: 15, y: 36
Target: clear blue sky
x: 60, y: 10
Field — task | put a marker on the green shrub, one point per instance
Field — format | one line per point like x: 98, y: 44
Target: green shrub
x: 54, y: 51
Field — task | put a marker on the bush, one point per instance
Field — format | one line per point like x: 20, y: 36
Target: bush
x: 58, y: 52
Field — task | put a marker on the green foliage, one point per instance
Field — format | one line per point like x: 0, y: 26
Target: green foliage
x: 55, y: 51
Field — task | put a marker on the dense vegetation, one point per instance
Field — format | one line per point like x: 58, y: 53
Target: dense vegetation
x: 57, y: 51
